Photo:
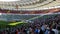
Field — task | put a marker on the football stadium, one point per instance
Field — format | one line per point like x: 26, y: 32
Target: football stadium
x: 29, y: 16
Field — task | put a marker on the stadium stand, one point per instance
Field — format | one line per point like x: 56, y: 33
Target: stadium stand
x: 15, y: 17
x: 19, y: 15
x: 24, y: 4
x: 51, y: 22
x: 13, y: 20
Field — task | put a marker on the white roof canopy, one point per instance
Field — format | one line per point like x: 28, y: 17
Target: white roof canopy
x: 8, y: 0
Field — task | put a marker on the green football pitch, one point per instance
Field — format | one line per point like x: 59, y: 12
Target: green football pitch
x: 4, y: 24
x: 9, y: 23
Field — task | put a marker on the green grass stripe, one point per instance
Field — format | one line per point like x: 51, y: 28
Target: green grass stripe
x: 16, y: 23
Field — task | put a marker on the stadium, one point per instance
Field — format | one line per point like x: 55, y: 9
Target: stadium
x: 29, y: 16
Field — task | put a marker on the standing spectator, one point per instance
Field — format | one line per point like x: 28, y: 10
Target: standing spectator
x: 55, y: 29
x: 51, y: 31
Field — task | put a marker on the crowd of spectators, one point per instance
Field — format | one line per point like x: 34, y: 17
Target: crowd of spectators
x: 50, y: 27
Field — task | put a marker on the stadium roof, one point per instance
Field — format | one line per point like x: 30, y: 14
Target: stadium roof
x: 30, y: 5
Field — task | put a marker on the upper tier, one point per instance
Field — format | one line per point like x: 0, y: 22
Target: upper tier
x: 23, y: 4
x: 20, y: 2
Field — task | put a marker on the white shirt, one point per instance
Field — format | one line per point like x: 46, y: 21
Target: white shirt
x: 55, y: 30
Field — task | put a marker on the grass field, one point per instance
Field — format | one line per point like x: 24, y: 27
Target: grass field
x: 9, y: 23
x: 4, y: 24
